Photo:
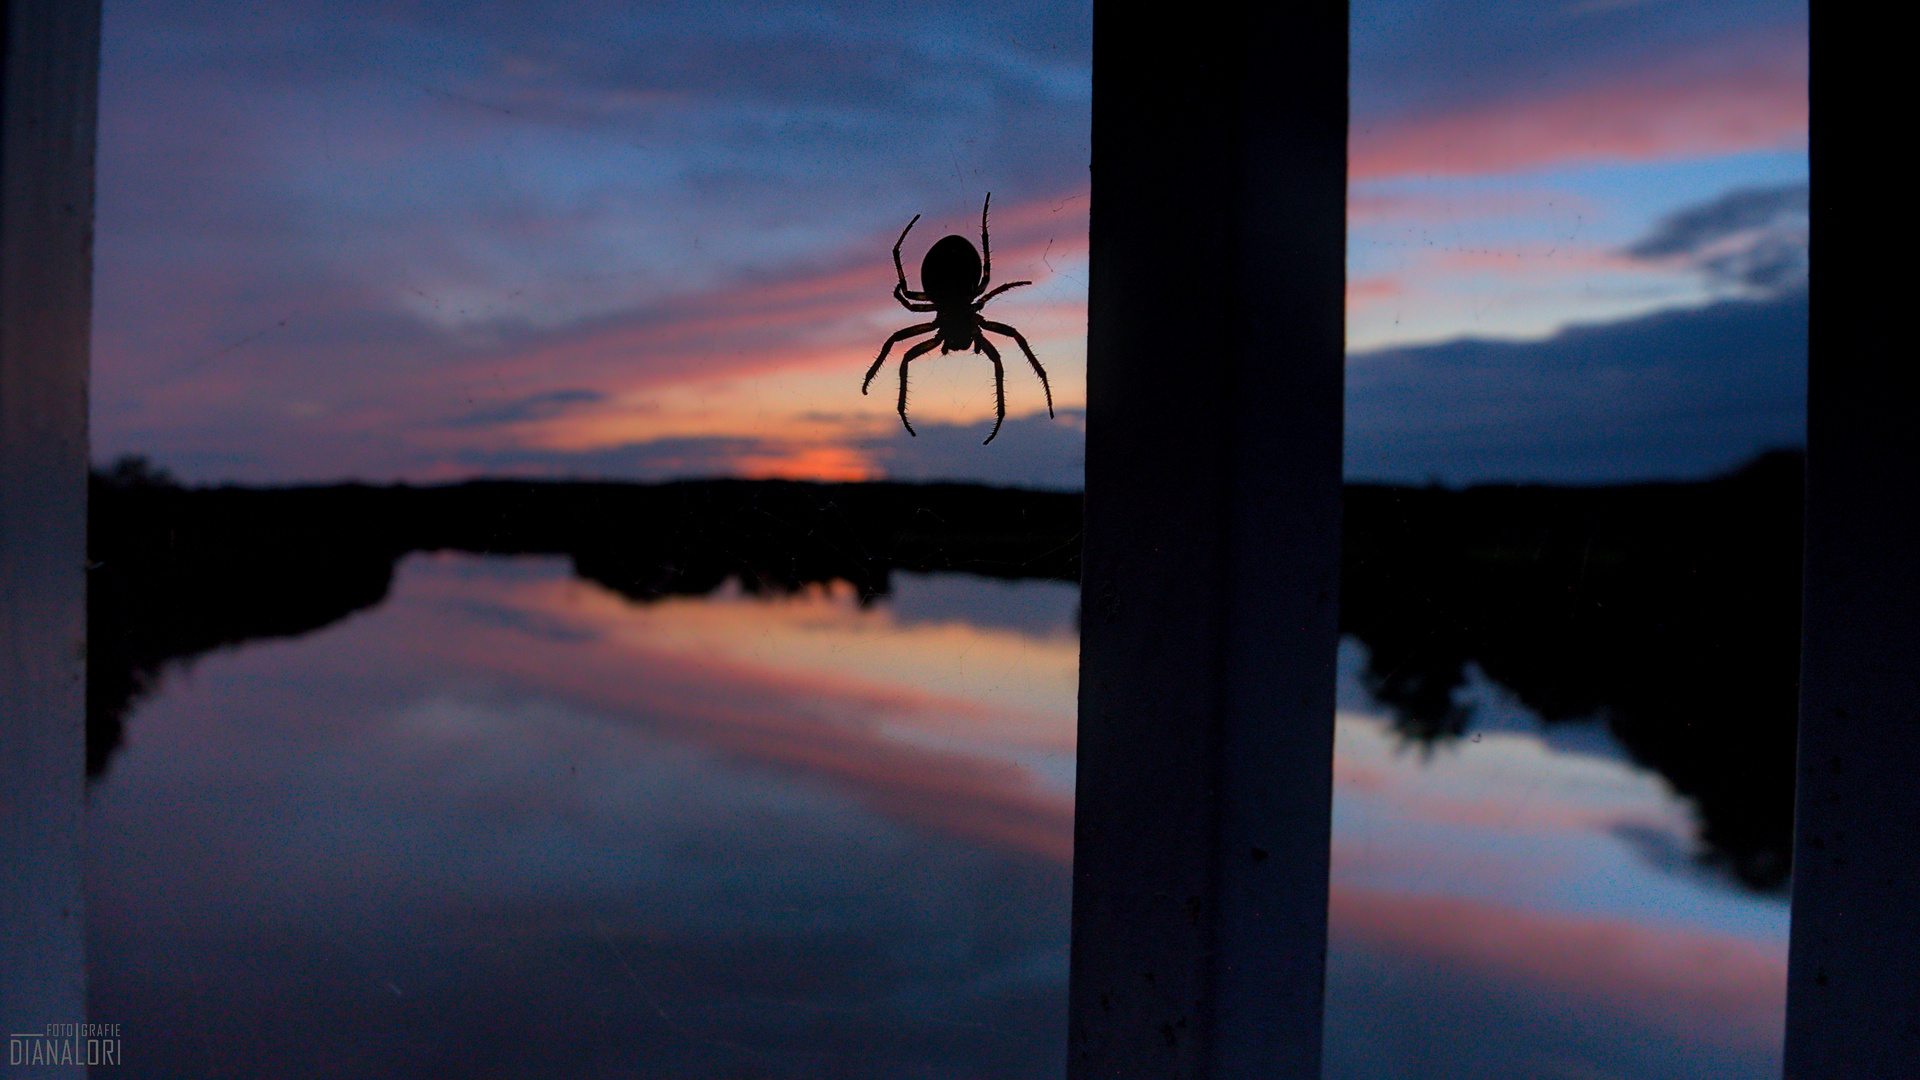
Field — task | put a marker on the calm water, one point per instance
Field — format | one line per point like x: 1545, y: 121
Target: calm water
x: 508, y: 823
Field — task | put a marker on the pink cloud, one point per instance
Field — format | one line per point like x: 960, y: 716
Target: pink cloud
x: 1537, y: 258
x: 348, y: 386
x: 1376, y: 288
x: 1687, y: 979
x: 226, y: 369
x: 805, y: 321
x: 1359, y: 863
x: 1369, y: 207
x: 776, y: 717
x: 1748, y: 95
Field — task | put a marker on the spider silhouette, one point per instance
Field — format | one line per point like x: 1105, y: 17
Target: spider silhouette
x: 953, y: 277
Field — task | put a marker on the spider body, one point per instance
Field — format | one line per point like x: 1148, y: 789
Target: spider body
x: 953, y: 286
x: 950, y: 273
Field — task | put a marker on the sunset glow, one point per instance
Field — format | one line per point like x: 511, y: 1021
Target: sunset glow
x: 537, y: 246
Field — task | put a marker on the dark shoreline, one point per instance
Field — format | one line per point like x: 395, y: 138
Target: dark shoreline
x: 1669, y: 611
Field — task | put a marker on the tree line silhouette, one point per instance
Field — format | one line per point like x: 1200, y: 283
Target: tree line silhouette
x: 1669, y: 612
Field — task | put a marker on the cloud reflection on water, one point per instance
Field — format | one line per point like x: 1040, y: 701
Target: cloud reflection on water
x: 509, y: 821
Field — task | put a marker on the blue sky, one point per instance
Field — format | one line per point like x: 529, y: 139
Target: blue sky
x: 424, y: 241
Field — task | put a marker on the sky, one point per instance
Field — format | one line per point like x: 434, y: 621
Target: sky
x: 426, y: 241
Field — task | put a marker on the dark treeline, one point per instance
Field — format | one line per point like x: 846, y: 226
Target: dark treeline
x: 177, y: 572
x: 1668, y: 611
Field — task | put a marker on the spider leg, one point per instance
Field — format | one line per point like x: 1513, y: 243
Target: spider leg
x: 986, y: 251
x: 982, y: 302
x: 999, y: 384
x: 901, y: 294
x: 904, y: 361
x: 900, y: 291
x: 1003, y: 328
x: 884, y: 349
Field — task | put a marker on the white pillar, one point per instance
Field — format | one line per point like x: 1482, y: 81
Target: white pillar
x: 46, y: 217
x: 1209, y: 598
x: 1853, y: 977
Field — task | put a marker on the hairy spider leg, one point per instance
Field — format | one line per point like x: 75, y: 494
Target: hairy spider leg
x: 904, y: 361
x: 982, y: 302
x: 884, y: 349
x: 900, y: 291
x: 981, y: 343
x: 986, y: 250
x: 1003, y: 328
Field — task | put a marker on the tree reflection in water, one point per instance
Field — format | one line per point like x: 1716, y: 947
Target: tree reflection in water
x: 1667, y: 611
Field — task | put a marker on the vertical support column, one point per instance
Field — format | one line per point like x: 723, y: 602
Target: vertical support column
x: 1209, y: 598
x: 48, y: 58
x: 1853, y: 973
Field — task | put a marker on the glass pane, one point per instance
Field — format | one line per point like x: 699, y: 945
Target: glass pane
x: 564, y: 780
x: 476, y: 692
x: 1576, y: 393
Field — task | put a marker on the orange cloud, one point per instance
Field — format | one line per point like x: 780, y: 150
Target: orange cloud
x: 817, y: 462
x: 1750, y: 95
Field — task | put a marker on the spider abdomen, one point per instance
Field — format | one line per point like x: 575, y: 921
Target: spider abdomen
x: 950, y: 274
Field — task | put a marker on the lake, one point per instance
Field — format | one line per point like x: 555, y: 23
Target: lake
x: 508, y: 822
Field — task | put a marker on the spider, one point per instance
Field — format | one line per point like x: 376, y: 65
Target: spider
x: 954, y: 276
